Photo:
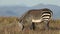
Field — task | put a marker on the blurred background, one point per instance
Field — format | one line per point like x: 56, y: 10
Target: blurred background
x: 16, y: 8
x: 19, y: 7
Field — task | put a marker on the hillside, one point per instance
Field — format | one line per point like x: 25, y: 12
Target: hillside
x: 19, y: 10
x: 9, y: 25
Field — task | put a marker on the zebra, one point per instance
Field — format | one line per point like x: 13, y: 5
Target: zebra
x: 36, y: 16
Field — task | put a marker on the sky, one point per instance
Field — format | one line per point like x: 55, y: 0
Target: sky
x: 28, y: 2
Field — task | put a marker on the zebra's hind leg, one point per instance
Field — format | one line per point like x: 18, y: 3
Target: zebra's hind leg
x: 23, y: 28
x: 46, y: 25
x: 32, y: 27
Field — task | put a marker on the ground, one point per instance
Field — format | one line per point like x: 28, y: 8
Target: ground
x: 8, y: 25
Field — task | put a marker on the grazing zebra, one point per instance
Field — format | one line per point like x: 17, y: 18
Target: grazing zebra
x: 37, y: 16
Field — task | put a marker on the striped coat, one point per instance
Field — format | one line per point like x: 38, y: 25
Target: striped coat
x: 37, y: 16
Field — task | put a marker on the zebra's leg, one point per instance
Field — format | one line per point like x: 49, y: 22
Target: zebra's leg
x: 32, y: 26
x: 23, y: 28
x: 46, y: 25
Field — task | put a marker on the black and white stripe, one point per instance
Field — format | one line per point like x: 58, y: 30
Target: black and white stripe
x: 46, y: 15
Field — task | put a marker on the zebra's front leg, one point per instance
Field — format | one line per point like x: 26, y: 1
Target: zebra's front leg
x: 46, y: 25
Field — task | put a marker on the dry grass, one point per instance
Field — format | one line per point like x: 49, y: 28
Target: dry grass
x: 8, y: 25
